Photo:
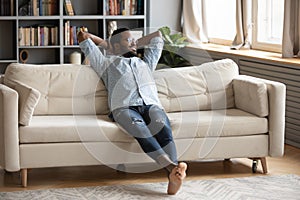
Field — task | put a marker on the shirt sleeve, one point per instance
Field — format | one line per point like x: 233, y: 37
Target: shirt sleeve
x: 153, y: 52
x: 94, y: 56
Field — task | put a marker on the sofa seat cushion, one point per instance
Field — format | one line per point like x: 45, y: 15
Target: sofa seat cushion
x: 68, y: 128
x: 231, y: 122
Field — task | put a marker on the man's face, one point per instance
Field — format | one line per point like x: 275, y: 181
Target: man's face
x: 127, y: 43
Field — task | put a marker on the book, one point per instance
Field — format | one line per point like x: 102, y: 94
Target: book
x: 27, y: 36
x: 68, y: 7
x: 38, y: 36
x: 67, y: 33
x: 115, y: 7
x: 75, y: 41
x: 140, y: 7
x: 111, y: 7
x: 12, y: 7
x: 35, y: 7
x: 21, y: 36
x: 6, y: 8
x: 40, y: 7
x: 127, y: 7
x: 32, y: 38
x: 71, y: 38
x: 46, y: 36
x: 54, y: 35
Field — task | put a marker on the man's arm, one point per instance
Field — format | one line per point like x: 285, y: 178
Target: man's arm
x: 143, y: 41
x: 81, y: 36
x: 152, y: 52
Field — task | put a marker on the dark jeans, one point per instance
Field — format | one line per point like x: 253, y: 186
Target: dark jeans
x: 150, y: 126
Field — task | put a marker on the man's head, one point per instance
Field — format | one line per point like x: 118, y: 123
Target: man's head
x: 123, y: 43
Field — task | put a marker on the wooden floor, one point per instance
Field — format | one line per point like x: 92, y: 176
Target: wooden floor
x: 102, y: 175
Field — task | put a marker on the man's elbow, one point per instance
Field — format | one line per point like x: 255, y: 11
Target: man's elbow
x: 158, y: 34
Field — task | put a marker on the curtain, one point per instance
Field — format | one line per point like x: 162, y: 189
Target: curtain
x: 291, y: 29
x: 194, y: 24
x: 243, y: 25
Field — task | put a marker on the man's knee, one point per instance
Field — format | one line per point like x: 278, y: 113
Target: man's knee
x: 158, y: 117
x: 137, y: 121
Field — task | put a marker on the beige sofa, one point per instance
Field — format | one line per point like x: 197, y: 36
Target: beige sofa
x: 56, y: 115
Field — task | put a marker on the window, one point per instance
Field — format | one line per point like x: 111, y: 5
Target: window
x: 220, y: 21
x: 268, y: 24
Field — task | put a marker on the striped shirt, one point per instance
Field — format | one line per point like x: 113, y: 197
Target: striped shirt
x: 129, y: 81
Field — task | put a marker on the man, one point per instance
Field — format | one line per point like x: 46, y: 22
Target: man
x: 132, y: 95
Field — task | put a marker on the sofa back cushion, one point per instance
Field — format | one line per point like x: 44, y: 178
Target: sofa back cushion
x: 204, y: 87
x: 65, y: 88
x: 76, y: 89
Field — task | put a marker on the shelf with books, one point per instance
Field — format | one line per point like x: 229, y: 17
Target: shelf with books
x: 80, y: 7
x: 91, y: 14
x: 8, y: 8
x: 71, y: 27
x: 38, y: 33
x: 38, y: 7
x: 124, y: 7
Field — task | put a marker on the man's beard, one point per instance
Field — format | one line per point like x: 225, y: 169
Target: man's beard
x: 130, y: 54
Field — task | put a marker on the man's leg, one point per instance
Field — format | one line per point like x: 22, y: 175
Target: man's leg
x: 159, y: 124
x: 131, y: 120
x: 176, y: 178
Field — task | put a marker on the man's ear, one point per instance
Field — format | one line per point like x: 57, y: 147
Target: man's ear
x: 117, y: 47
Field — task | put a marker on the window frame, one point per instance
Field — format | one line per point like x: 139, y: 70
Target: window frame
x: 255, y: 43
x: 221, y: 41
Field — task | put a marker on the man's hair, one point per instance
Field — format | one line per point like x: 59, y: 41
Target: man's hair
x: 116, y: 35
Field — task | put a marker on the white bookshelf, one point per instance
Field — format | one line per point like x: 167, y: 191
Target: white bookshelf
x: 91, y: 13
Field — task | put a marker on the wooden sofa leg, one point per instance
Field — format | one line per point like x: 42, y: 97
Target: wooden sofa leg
x: 263, y: 161
x: 24, y: 177
x: 263, y: 164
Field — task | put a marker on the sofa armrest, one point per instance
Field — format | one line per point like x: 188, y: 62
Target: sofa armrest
x: 251, y: 95
x: 276, y: 97
x: 9, y: 136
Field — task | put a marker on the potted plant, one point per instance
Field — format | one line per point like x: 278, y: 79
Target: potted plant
x: 173, y: 43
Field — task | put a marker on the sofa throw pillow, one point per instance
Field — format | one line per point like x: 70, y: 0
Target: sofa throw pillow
x: 28, y: 99
x: 251, y: 96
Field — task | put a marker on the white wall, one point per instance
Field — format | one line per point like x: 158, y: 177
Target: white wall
x: 164, y: 13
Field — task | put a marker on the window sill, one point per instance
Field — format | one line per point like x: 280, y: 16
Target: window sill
x: 254, y: 54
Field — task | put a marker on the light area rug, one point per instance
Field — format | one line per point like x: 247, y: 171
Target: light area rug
x: 268, y: 187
